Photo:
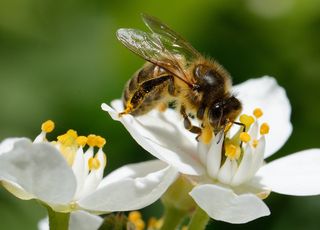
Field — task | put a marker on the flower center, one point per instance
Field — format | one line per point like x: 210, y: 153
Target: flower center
x: 70, y: 144
x: 241, y: 155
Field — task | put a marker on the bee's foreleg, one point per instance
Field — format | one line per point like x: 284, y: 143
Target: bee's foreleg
x: 187, y: 123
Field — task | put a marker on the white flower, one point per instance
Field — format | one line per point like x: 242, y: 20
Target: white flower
x: 79, y: 220
x: 229, y: 175
x: 67, y: 178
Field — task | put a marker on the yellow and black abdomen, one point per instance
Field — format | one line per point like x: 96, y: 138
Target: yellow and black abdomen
x: 146, y: 89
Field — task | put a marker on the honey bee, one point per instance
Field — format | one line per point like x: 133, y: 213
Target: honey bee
x: 176, y: 72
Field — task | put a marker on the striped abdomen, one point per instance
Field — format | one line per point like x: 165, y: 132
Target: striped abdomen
x: 146, y: 89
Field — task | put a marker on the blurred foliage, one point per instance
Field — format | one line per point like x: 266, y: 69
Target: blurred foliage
x: 61, y: 60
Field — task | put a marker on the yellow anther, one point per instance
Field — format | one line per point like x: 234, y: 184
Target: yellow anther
x: 246, y: 120
x: 139, y: 224
x: 152, y: 222
x: 93, y: 163
x: 134, y: 215
x: 47, y: 126
x: 100, y: 141
x: 184, y: 228
x: 257, y: 112
x: 69, y: 138
x: 155, y: 223
x: 255, y: 143
x: 135, y: 218
x: 91, y: 141
x: 245, y: 137
x: 232, y: 151
x: 81, y: 140
x: 264, y: 129
x: 72, y: 133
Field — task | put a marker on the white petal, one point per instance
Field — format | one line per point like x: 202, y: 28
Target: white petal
x: 202, y: 150
x: 81, y: 220
x: 43, y: 224
x: 297, y: 174
x: 258, y: 156
x: 7, y: 144
x: 253, y: 131
x: 213, y: 160
x: 161, y: 136
x: 243, y: 172
x: 17, y: 190
x: 40, y: 170
x: 131, y: 187
x: 266, y: 94
x: 227, y: 171
x: 94, y: 178
x: 223, y: 204
x: 78, y: 168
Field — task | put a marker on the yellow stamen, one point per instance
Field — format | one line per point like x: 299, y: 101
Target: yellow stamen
x: 232, y: 151
x: 257, y: 112
x: 93, y: 163
x: 255, y: 143
x: 91, y: 141
x: 81, y: 140
x: 184, y: 228
x: 100, y: 141
x: 264, y: 129
x: 47, y: 126
x: 135, y: 218
x: 134, y: 215
x: 245, y: 137
x: 68, y: 139
x: 154, y: 223
x: 139, y: 224
x: 246, y: 120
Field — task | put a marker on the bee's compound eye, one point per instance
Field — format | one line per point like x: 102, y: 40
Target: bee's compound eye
x: 215, y: 113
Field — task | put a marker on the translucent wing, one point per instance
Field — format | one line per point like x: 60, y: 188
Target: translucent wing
x: 176, y: 42
x: 153, y: 47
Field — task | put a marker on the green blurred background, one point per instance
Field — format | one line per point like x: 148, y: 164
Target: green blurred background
x: 60, y: 59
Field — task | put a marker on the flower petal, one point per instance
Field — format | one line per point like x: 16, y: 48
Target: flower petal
x: 213, y: 159
x: 16, y: 190
x: 223, y: 204
x: 40, y: 170
x: 131, y: 187
x: 81, y: 220
x: 227, y: 171
x: 242, y: 173
x: 7, y: 144
x: 272, y: 99
x: 296, y: 174
x: 159, y: 134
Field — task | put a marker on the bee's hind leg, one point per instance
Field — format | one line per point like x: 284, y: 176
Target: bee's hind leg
x: 187, y: 123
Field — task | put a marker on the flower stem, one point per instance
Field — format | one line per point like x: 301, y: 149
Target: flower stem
x: 199, y: 220
x: 172, y: 218
x: 58, y: 220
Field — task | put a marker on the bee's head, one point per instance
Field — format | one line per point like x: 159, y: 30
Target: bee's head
x: 223, y: 111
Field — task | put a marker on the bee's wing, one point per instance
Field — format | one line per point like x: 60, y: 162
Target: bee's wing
x: 178, y: 43
x: 156, y: 49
